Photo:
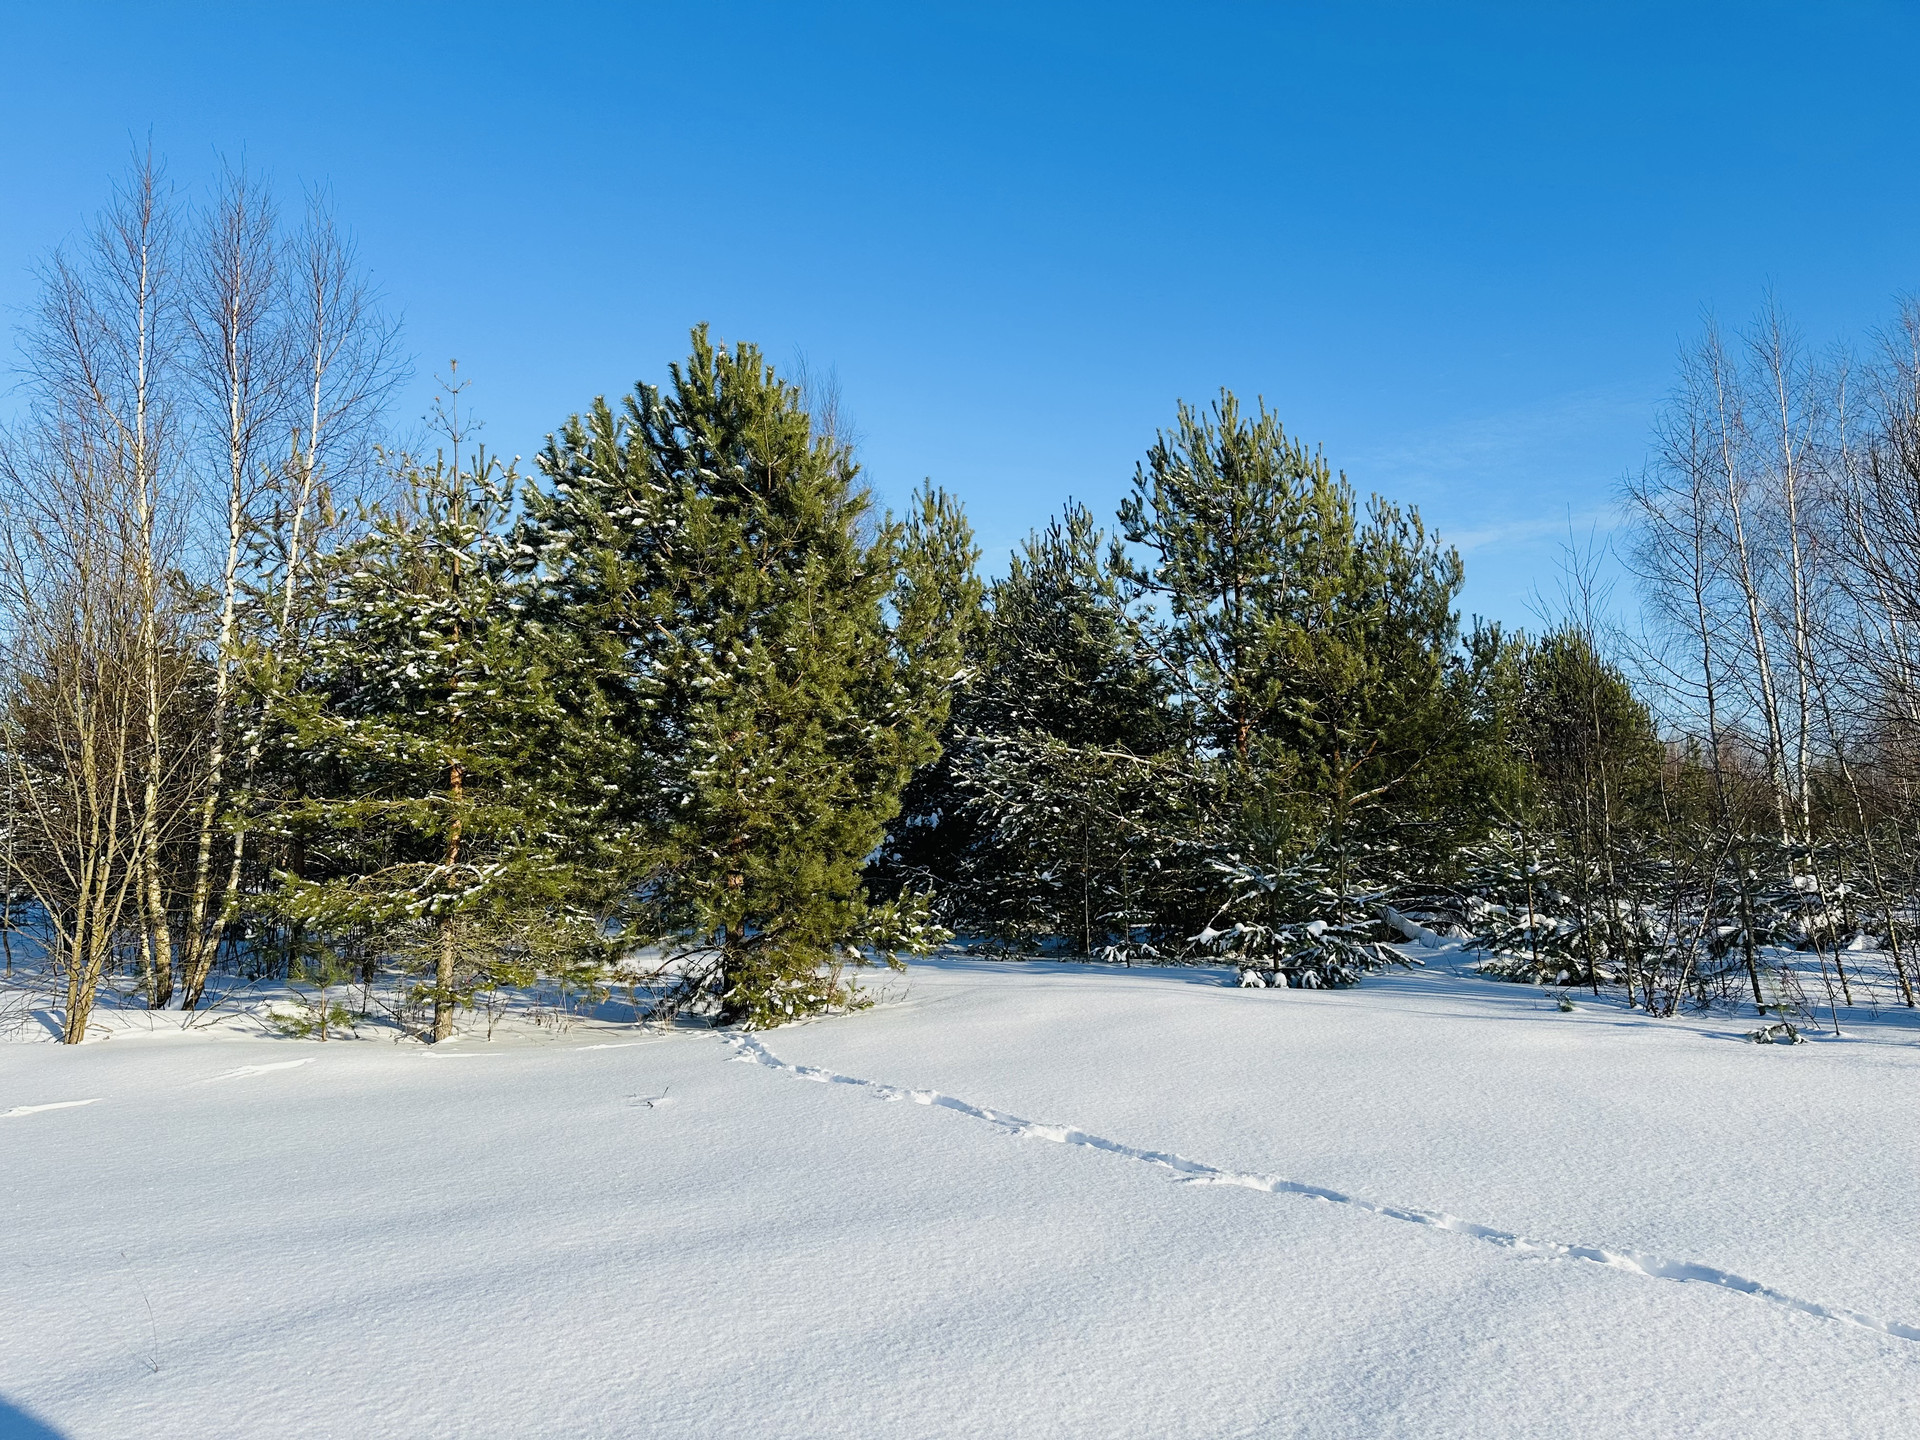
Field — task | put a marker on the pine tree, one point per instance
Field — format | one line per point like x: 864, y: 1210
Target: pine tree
x: 1226, y: 511
x: 933, y: 843
x: 779, y: 659
x: 1309, y: 922
x: 1316, y: 653
x: 1596, y: 761
x: 1316, y: 650
x: 1067, y: 799
x: 443, y: 819
x: 1096, y: 849
x: 1064, y: 658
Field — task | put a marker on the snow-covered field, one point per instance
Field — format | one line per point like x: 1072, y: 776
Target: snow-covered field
x: 1028, y: 1200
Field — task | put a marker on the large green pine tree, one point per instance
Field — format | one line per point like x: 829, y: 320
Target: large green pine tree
x: 1318, y: 657
x: 779, y: 658
x: 1317, y: 650
x: 1225, y: 514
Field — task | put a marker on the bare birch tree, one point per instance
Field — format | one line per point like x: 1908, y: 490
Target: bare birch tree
x: 341, y: 359
x: 101, y: 361
x: 73, y: 721
x: 199, y: 394
x: 1712, y: 380
x: 1789, y: 391
x: 243, y: 372
x: 1678, y: 518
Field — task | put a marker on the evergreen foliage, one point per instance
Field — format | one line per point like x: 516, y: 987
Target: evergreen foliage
x: 438, y: 737
x: 1312, y: 924
x: 1063, y: 802
x: 1316, y: 651
x: 1183, y: 740
x: 778, y: 658
x: 690, y: 712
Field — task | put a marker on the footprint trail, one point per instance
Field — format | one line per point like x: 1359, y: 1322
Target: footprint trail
x: 1195, y: 1172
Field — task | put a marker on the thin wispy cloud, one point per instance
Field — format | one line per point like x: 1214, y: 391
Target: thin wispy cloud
x: 1595, y: 523
x: 1559, y: 434
x: 1514, y: 489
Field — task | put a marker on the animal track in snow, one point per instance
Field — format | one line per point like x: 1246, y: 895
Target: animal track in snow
x: 1196, y: 1172
x: 246, y: 1070
x: 36, y: 1109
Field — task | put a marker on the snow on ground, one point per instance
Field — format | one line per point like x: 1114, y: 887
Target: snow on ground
x: 1013, y: 1200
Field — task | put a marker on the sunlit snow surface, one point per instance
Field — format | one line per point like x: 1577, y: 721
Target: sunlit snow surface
x: 1012, y: 1200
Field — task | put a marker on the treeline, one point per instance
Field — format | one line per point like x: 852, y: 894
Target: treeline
x: 1226, y: 727
x: 682, y: 707
x: 1244, y: 724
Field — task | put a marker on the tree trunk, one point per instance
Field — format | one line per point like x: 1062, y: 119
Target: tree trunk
x: 443, y: 994
x: 1731, y: 425
x: 443, y: 1006
x: 203, y: 940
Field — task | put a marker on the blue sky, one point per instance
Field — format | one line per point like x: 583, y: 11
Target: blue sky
x: 1456, y: 246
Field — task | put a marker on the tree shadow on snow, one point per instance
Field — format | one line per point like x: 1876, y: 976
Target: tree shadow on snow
x: 17, y: 1424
